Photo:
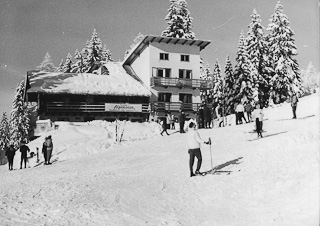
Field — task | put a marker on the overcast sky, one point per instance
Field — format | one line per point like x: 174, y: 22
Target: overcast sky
x: 29, y: 29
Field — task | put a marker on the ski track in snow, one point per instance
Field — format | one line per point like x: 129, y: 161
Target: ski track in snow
x: 145, y: 179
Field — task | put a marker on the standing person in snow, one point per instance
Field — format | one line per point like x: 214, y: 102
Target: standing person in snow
x: 10, y: 152
x: 173, y: 120
x: 248, y: 108
x: 49, y: 145
x: 47, y: 150
x: 24, y: 149
x: 182, y: 119
x: 207, y: 116
x: 240, y: 111
x: 194, y: 140
x: 168, y: 120
x: 294, y: 102
x: 258, y: 117
x: 44, y: 150
x: 201, y: 117
x: 164, y: 126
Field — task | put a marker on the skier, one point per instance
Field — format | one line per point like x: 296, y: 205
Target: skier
x: 258, y: 117
x: 194, y: 141
x: 294, y: 102
x: 10, y: 152
x: 24, y: 149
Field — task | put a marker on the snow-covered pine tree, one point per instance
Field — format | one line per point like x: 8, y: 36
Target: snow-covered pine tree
x: 256, y: 47
x: 47, y: 64
x: 4, y: 132
x: 60, y: 67
x: 206, y: 74
x: 178, y: 20
x: 242, y: 89
x: 106, y: 55
x: 218, y: 83
x: 77, y: 66
x: 310, y: 78
x: 136, y: 40
x: 19, y: 119
x: 92, y: 51
x: 227, y: 101
x: 67, y: 66
x: 282, y: 50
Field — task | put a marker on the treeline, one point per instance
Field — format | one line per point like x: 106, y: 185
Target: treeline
x: 265, y: 70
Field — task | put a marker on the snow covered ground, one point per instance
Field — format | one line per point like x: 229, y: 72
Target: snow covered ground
x: 145, y: 180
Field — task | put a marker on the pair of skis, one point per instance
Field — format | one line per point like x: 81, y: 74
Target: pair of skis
x: 118, y: 139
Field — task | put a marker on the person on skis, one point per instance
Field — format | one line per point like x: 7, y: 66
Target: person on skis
x: 194, y: 141
x: 24, y: 149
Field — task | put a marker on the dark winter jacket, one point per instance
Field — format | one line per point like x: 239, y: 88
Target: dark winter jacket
x: 10, y: 152
x: 24, y: 149
x: 207, y: 114
x: 182, y: 118
x: 248, y: 108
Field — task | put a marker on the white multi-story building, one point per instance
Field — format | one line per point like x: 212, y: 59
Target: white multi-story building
x: 171, y: 68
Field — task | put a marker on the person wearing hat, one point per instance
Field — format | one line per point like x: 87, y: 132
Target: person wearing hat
x: 24, y: 149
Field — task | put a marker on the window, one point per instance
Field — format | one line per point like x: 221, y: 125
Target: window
x: 164, y: 56
x: 184, y: 58
x: 164, y: 97
x: 185, y: 97
x: 185, y: 73
x: 161, y: 72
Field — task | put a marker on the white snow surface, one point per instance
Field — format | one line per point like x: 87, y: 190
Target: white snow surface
x: 144, y: 180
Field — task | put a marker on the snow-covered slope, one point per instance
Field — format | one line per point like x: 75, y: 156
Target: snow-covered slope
x: 145, y: 180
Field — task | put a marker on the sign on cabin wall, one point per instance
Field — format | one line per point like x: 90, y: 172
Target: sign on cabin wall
x: 123, y: 107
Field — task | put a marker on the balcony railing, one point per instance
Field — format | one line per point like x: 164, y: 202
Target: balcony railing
x: 182, y: 83
x: 100, y: 107
x: 174, y: 106
x: 82, y: 107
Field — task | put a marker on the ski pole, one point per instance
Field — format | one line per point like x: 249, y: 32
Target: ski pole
x: 210, y: 152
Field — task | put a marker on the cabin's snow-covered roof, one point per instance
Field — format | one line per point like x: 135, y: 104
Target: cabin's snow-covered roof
x: 117, y: 83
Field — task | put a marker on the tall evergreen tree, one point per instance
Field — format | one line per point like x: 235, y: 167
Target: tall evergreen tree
x: 106, y: 54
x: 136, y: 40
x: 242, y: 79
x: 228, y: 101
x: 19, y: 120
x: 92, y: 51
x: 218, y: 82
x: 282, y: 50
x: 206, y: 74
x: 179, y: 21
x: 78, y: 65
x: 256, y: 47
x: 47, y: 64
x: 60, y: 67
x: 4, y: 132
x: 67, y: 66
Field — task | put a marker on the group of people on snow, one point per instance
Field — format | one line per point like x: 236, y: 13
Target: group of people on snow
x: 47, y: 148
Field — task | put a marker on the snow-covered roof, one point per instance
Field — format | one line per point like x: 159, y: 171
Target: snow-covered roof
x: 117, y: 83
x: 131, y: 56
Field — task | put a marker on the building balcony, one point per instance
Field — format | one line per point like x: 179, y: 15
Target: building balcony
x: 181, y: 83
x: 174, y: 106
